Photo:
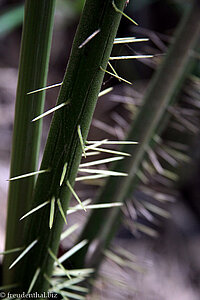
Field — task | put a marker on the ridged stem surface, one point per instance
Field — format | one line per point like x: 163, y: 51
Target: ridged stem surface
x: 80, y: 89
x: 33, y: 69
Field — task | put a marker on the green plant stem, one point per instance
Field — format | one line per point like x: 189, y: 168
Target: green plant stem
x: 81, y: 86
x: 34, y: 59
x: 101, y: 225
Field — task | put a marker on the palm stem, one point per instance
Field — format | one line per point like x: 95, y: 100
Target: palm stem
x: 34, y: 59
x: 81, y: 86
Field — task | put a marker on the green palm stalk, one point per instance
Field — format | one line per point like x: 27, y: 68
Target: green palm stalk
x: 34, y: 59
x: 101, y: 225
x: 79, y: 92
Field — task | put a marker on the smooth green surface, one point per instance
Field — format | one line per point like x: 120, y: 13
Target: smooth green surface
x: 34, y: 59
x: 81, y: 86
x: 102, y: 225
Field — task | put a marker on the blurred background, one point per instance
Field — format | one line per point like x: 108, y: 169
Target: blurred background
x: 165, y: 241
